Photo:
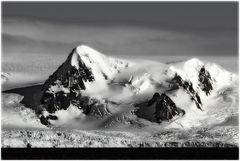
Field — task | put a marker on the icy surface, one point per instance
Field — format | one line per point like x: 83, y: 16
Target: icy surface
x: 217, y: 137
x: 15, y: 115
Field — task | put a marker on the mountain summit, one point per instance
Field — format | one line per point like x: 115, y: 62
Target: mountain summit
x: 85, y: 69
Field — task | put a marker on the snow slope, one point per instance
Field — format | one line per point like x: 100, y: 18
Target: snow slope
x: 103, y: 68
x: 16, y: 115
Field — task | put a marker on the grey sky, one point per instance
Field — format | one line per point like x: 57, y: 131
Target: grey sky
x: 159, y: 28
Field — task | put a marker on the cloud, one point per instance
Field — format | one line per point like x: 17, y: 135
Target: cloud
x: 23, y: 44
x: 37, y: 36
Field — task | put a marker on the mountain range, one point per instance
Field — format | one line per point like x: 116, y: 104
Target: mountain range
x: 102, y: 87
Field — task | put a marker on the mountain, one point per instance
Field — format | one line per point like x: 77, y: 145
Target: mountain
x: 90, y: 84
x: 190, y: 70
x: 84, y: 70
x: 4, y: 77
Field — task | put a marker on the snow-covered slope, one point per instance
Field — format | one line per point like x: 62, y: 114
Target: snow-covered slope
x: 16, y: 115
x: 99, y: 63
x: 103, y: 68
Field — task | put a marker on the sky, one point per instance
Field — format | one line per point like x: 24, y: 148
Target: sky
x: 120, y: 28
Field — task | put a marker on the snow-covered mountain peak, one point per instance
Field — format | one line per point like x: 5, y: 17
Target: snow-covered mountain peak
x: 193, y: 64
x: 85, y: 71
x: 87, y: 53
x: 194, y: 61
x: 189, y: 70
x: 84, y: 50
x: 101, y: 65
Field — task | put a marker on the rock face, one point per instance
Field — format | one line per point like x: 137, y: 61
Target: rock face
x: 165, y: 107
x: 178, y: 82
x: 205, y: 80
x: 63, y: 87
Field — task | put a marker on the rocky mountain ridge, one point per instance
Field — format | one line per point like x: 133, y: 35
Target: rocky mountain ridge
x: 86, y: 69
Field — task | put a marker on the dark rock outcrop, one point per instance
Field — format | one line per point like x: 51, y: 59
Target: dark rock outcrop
x: 178, y: 82
x: 45, y: 120
x: 205, y: 80
x: 165, y: 107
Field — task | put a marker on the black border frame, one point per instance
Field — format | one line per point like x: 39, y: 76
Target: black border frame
x: 120, y: 153
x: 123, y: 153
